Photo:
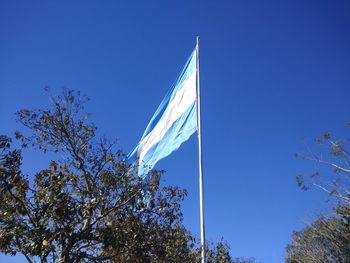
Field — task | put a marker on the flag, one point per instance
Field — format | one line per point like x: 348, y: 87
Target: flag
x: 173, y: 123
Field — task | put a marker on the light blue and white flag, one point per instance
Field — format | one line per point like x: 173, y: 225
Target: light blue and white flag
x: 172, y: 124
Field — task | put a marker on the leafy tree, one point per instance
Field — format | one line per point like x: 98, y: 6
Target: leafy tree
x: 220, y: 253
x: 328, y: 238
x: 87, y: 205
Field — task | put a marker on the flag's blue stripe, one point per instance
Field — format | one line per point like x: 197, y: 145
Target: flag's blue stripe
x: 178, y: 133
x: 187, y: 70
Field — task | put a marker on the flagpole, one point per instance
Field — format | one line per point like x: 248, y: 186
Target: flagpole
x: 201, y: 195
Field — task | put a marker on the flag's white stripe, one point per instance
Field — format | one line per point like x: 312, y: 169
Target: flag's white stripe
x: 183, y: 99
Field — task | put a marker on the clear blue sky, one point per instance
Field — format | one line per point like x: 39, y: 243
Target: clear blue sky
x: 272, y: 73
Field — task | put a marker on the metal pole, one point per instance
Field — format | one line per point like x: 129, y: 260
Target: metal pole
x: 201, y: 195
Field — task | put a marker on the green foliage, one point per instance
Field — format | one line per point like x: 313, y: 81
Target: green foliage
x: 325, y: 240
x: 220, y: 253
x: 328, y: 238
x: 87, y: 206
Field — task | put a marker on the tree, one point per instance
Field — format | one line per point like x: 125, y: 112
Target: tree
x: 87, y: 205
x: 336, y: 157
x: 328, y: 238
